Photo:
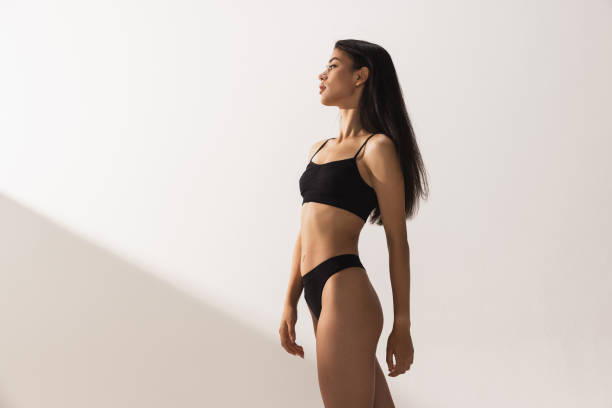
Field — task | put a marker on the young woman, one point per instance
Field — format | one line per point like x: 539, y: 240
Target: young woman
x: 373, y: 168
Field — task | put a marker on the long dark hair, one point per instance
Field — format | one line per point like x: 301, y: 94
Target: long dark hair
x: 382, y: 110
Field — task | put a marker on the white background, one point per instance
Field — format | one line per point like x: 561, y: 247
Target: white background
x: 149, y: 162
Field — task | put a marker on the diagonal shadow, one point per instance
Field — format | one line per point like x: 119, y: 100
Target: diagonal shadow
x: 82, y: 328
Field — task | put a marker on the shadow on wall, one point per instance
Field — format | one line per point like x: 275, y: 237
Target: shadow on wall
x: 82, y: 328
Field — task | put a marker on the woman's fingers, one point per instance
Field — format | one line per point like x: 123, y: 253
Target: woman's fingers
x: 400, y: 367
x: 390, y: 364
x: 299, y: 351
x: 287, y: 336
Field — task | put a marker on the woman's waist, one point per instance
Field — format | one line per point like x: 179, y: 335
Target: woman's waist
x: 328, y: 240
x: 311, y: 257
x: 323, y: 217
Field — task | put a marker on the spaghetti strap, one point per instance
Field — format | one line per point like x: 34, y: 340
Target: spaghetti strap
x: 354, y: 157
x: 320, y: 147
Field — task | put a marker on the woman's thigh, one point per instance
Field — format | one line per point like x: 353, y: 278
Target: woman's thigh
x: 382, y: 394
x: 347, y: 333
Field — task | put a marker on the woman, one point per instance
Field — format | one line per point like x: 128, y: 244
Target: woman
x: 373, y: 165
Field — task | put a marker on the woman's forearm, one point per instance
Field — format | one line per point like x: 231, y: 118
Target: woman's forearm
x: 294, y: 291
x: 399, y: 265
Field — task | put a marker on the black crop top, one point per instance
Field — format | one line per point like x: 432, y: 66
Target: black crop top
x: 339, y: 184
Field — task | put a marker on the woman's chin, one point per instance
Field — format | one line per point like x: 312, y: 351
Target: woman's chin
x: 325, y: 101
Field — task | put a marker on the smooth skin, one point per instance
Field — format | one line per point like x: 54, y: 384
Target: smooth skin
x: 351, y: 319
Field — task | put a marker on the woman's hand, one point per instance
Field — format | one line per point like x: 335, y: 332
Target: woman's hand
x: 400, y: 345
x: 287, y: 331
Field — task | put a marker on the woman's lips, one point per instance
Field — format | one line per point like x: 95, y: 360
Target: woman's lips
x: 321, y: 88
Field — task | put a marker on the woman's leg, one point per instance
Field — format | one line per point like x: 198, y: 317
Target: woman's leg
x: 382, y: 394
x: 347, y: 333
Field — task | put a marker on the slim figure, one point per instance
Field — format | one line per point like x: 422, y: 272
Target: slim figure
x: 372, y: 169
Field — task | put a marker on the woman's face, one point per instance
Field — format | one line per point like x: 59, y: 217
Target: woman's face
x: 338, y: 82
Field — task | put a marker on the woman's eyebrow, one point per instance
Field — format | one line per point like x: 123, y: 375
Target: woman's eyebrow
x: 333, y: 58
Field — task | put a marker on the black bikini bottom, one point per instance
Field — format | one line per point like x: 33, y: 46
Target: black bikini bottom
x: 314, y: 280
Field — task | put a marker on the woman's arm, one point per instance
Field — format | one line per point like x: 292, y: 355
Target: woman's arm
x: 388, y: 182
x: 294, y: 291
x: 399, y: 266
x: 289, y: 315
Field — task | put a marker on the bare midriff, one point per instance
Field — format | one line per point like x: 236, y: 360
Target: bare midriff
x: 327, y: 231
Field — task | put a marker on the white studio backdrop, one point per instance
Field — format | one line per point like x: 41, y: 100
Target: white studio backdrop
x: 149, y: 162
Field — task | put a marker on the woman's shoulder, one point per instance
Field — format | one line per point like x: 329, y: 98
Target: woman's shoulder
x: 313, y: 148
